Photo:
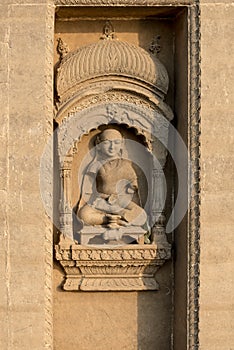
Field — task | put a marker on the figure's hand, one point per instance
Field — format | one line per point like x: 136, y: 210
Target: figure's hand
x: 114, y: 220
x: 123, y: 223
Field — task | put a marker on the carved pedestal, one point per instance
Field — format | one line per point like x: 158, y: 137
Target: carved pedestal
x: 119, y: 268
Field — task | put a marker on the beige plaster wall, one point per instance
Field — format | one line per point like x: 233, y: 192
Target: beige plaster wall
x: 26, y: 114
x: 217, y: 191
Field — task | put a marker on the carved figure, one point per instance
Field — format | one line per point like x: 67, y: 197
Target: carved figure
x: 109, y: 193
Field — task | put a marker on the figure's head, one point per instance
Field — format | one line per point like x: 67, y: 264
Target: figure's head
x: 110, y: 143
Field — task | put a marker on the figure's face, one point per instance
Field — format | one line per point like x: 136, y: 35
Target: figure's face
x: 110, y: 143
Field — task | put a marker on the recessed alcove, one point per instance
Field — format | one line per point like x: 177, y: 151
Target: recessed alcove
x: 144, y: 319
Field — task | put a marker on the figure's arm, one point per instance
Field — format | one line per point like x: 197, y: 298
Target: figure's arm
x: 133, y: 184
x: 88, y: 189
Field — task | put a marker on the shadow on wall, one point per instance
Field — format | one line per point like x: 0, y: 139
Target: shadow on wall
x: 113, y: 320
x: 154, y: 314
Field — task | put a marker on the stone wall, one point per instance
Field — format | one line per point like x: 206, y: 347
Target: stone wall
x: 217, y: 181
x: 26, y: 123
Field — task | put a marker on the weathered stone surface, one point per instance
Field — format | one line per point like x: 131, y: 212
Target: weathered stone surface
x: 24, y: 76
x: 217, y: 264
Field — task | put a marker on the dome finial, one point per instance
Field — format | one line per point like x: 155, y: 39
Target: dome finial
x: 108, y: 32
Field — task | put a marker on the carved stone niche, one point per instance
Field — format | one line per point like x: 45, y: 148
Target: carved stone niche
x: 112, y: 147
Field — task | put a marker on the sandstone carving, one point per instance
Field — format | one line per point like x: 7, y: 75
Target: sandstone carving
x: 110, y: 195
x: 131, y: 267
x: 62, y: 49
x: 110, y: 59
x: 155, y: 46
x: 119, y: 244
x: 108, y: 31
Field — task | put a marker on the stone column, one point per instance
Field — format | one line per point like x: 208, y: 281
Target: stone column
x: 158, y: 235
x: 65, y: 198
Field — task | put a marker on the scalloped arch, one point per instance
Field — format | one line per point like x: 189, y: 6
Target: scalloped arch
x: 146, y: 123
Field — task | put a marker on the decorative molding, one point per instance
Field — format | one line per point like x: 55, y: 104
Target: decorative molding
x: 194, y: 149
x: 99, y: 87
x: 108, y: 268
x: 138, y: 3
x: 112, y: 97
x: 48, y: 237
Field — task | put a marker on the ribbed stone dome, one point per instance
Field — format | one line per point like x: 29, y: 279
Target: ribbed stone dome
x: 110, y: 57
